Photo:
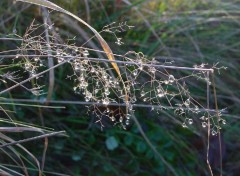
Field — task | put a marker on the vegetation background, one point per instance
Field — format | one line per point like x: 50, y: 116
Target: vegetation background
x: 188, y: 32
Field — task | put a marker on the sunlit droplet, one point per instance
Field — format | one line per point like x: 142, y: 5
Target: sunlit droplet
x: 184, y: 125
x: 128, y: 116
x: 92, y: 70
x: 130, y: 107
x: 77, y: 67
x: 112, y: 118
x: 119, y: 42
x: 152, y: 108
x: 127, y: 122
x: 166, y: 82
x: 27, y: 66
x: 14, y: 31
x: 87, y: 99
x: 202, y: 118
x: 106, y: 92
x: 85, y: 53
x: 152, y: 69
x: 171, y: 78
x: 135, y: 72
x: 106, y: 101
x: 161, y: 93
x: 187, y: 102
x: 96, y: 91
x: 121, y: 119
x: 196, y: 108
x: 224, y: 122
x: 214, y: 132
x: 142, y: 93
x: 204, y: 124
x: 60, y: 60
x: 190, y: 121
x: 36, y: 59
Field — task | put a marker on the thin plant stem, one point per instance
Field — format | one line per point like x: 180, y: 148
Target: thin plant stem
x: 110, y: 104
x: 50, y: 59
x: 218, y: 122
x: 208, y: 131
x: 116, y: 61
x: 32, y: 138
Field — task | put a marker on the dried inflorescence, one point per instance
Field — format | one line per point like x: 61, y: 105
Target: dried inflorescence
x: 147, y: 82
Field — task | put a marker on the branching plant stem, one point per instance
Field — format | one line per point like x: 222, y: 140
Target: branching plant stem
x: 117, y: 61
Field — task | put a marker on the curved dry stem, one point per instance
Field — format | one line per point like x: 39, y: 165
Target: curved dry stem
x: 103, y: 43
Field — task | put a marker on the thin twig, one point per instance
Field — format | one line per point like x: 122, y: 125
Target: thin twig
x: 19, y: 129
x: 31, y: 105
x: 209, y: 127
x: 110, y: 104
x: 116, y: 61
x: 32, y: 138
x: 218, y: 121
x: 44, y: 153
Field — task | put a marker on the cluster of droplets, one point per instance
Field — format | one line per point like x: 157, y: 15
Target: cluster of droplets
x: 142, y: 82
x: 81, y: 68
x: 31, y: 65
x: 93, y: 81
x: 206, y: 120
x: 185, y: 109
x: 31, y: 56
x: 60, y: 54
x: 113, y: 114
x: 160, y: 92
x: 187, y: 121
x: 156, y: 90
x: 169, y: 80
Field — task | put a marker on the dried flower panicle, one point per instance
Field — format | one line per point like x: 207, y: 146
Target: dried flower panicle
x: 147, y: 82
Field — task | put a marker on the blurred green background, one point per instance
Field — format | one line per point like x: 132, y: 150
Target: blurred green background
x: 188, y: 32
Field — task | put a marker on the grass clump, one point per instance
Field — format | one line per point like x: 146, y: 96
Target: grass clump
x: 117, y: 91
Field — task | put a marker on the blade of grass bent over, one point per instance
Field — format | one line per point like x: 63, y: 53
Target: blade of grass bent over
x: 103, y: 43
